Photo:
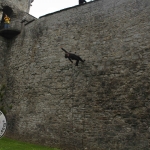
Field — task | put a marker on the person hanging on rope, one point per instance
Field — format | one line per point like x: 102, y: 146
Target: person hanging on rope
x: 71, y: 57
x: 82, y: 2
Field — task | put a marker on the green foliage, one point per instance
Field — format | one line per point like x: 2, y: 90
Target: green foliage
x: 2, y: 92
x: 3, y: 87
x: 3, y: 110
x: 9, y: 144
x: 3, y: 104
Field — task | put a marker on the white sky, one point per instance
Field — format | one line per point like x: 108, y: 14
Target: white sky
x: 42, y: 7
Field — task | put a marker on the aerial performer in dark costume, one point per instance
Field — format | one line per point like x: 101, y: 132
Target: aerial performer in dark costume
x: 71, y: 57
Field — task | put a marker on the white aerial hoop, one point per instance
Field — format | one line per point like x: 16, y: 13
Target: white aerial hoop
x: 3, y: 124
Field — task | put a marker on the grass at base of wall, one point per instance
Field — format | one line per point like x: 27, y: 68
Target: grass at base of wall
x: 9, y: 144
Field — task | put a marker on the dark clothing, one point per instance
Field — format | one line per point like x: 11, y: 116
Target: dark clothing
x: 74, y: 57
x: 82, y: 2
x: 71, y: 57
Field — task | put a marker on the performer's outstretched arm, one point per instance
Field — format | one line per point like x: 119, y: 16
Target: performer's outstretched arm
x: 64, y: 50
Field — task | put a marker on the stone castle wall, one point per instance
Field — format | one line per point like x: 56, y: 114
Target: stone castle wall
x: 99, y: 105
x: 3, y: 51
x: 21, y: 4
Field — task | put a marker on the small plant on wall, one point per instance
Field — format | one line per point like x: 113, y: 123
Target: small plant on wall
x: 3, y: 105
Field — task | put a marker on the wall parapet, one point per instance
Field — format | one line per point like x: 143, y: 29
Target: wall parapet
x: 13, y: 30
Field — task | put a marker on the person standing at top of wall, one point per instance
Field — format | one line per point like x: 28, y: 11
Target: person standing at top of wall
x: 6, y: 22
x: 82, y: 2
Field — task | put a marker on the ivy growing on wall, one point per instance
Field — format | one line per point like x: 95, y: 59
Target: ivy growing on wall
x: 3, y: 105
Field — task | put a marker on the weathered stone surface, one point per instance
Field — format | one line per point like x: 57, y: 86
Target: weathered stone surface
x: 3, y: 52
x: 99, y: 105
x: 23, y: 5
